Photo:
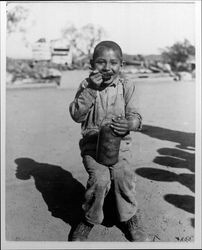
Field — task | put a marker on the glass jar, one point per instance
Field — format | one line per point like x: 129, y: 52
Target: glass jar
x: 108, y: 145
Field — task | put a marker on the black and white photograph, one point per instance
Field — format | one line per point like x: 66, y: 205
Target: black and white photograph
x: 101, y: 124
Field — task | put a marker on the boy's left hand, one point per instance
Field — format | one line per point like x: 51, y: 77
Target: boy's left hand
x: 122, y: 126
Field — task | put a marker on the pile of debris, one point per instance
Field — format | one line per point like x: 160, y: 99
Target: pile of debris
x: 21, y: 71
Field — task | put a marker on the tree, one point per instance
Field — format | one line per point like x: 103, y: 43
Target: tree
x: 15, y: 19
x: 178, y: 54
x: 70, y: 33
x: 83, y: 39
x: 19, y: 23
x: 90, y: 36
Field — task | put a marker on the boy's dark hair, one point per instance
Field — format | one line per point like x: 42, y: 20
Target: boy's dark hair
x: 107, y: 45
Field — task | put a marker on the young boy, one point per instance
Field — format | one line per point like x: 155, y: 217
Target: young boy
x: 105, y: 95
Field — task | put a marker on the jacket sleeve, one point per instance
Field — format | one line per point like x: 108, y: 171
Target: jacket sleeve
x: 82, y: 103
x: 130, y: 103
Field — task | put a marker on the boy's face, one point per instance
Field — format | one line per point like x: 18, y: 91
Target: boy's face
x: 108, y: 63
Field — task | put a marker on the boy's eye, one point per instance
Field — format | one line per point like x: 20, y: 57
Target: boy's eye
x: 114, y: 62
x: 100, y: 62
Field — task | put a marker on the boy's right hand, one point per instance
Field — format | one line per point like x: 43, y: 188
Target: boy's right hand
x: 95, y: 79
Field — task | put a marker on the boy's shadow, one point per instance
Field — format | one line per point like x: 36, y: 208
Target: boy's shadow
x: 62, y: 193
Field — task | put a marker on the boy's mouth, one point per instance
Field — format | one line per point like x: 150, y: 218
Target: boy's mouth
x: 106, y: 75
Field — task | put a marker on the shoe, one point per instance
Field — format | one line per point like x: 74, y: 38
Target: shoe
x: 80, y: 232
x: 133, y: 232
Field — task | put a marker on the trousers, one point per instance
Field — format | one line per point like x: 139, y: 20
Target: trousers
x: 102, y: 178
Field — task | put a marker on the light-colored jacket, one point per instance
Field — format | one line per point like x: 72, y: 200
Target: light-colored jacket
x: 90, y: 107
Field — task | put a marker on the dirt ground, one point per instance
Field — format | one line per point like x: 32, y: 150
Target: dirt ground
x: 45, y: 178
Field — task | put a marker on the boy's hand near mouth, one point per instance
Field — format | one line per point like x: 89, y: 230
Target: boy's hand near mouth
x: 97, y: 78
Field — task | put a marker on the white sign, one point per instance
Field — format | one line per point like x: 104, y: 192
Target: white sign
x: 41, y: 51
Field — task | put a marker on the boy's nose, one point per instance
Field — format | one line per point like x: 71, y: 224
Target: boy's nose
x: 107, y: 67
